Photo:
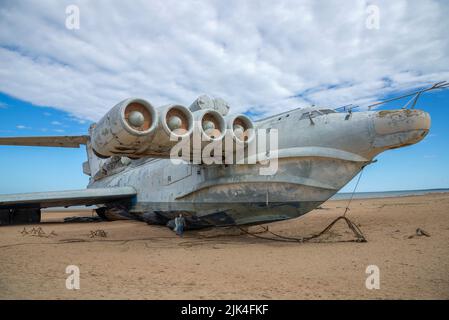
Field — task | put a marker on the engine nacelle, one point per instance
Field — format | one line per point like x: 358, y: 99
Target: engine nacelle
x: 210, y: 127
x: 125, y: 128
x: 175, y: 122
x: 240, y: 128
x: 134, y: 128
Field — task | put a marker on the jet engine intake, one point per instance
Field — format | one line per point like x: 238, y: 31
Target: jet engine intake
x: 241, y: 128
x: 124, y: 129
x: 175, y: 122
x: 209, y: 125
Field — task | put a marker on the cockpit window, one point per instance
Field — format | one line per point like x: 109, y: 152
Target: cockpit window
x: 326, y: 111
x: 305, y: 116
x: 316, y: 113
x: 308, y: 115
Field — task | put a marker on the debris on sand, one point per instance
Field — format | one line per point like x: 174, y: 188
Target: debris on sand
x: 419, y: 233
x: 98, y: 233
x: 39, y: 232
x: 83, y: 219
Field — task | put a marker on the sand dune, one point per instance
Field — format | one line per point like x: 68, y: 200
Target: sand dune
x: 137, y: 261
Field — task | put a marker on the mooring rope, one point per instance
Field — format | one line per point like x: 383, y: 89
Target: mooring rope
x: 354, y: 228
x: 353, y: 192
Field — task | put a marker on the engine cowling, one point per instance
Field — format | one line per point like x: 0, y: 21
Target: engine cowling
x: 240, y: 128
x: 210, y: 127
x: 127, y: 127
x: 240, y: 133
x: 135, y: 129
x: 175, y: 122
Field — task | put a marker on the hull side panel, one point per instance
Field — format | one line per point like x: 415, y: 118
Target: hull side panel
x: 234, y: 195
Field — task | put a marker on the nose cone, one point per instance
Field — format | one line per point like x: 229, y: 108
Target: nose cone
x: 388, y: 122
x: 397, y: 128
x: 136, y: 118
x: 174, y: 123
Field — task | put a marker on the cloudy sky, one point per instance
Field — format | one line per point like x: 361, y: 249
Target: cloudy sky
x: 263, y: 57
x: 260, y: 56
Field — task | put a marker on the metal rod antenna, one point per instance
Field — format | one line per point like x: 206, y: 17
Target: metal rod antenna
x: 415, y: 100
x: 408, y: 102
x: 438, y: 85
x: 343, y: 107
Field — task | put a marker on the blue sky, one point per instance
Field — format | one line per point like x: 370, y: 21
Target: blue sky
x: 262, y: 59
x: 28, y: 169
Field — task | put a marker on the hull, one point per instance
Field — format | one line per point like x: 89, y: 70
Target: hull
x: 231, y: 214
x: 220, y: 195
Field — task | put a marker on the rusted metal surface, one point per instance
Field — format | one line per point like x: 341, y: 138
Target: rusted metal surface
x: 393, y: 121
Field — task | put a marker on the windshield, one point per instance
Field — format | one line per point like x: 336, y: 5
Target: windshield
x: 326, y: 111
x: 316, y: 113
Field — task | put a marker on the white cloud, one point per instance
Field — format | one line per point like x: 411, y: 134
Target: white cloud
x: 22, y: 127
x: 3, y: 105
x: 255, y: 55
x: 76, y: 119
x: 56, y: 123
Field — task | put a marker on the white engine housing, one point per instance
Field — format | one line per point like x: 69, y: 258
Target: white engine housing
x: 115, y: 135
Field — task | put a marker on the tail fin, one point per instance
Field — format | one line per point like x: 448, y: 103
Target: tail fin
x: 55, y: 141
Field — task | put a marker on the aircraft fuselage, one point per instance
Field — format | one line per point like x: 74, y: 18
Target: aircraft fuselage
x: 319, y: 151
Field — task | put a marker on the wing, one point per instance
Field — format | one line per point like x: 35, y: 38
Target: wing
x: 66, y: 198
x: 55, y: 141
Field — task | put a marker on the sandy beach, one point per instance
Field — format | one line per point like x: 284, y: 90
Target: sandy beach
x: 137, y: 261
